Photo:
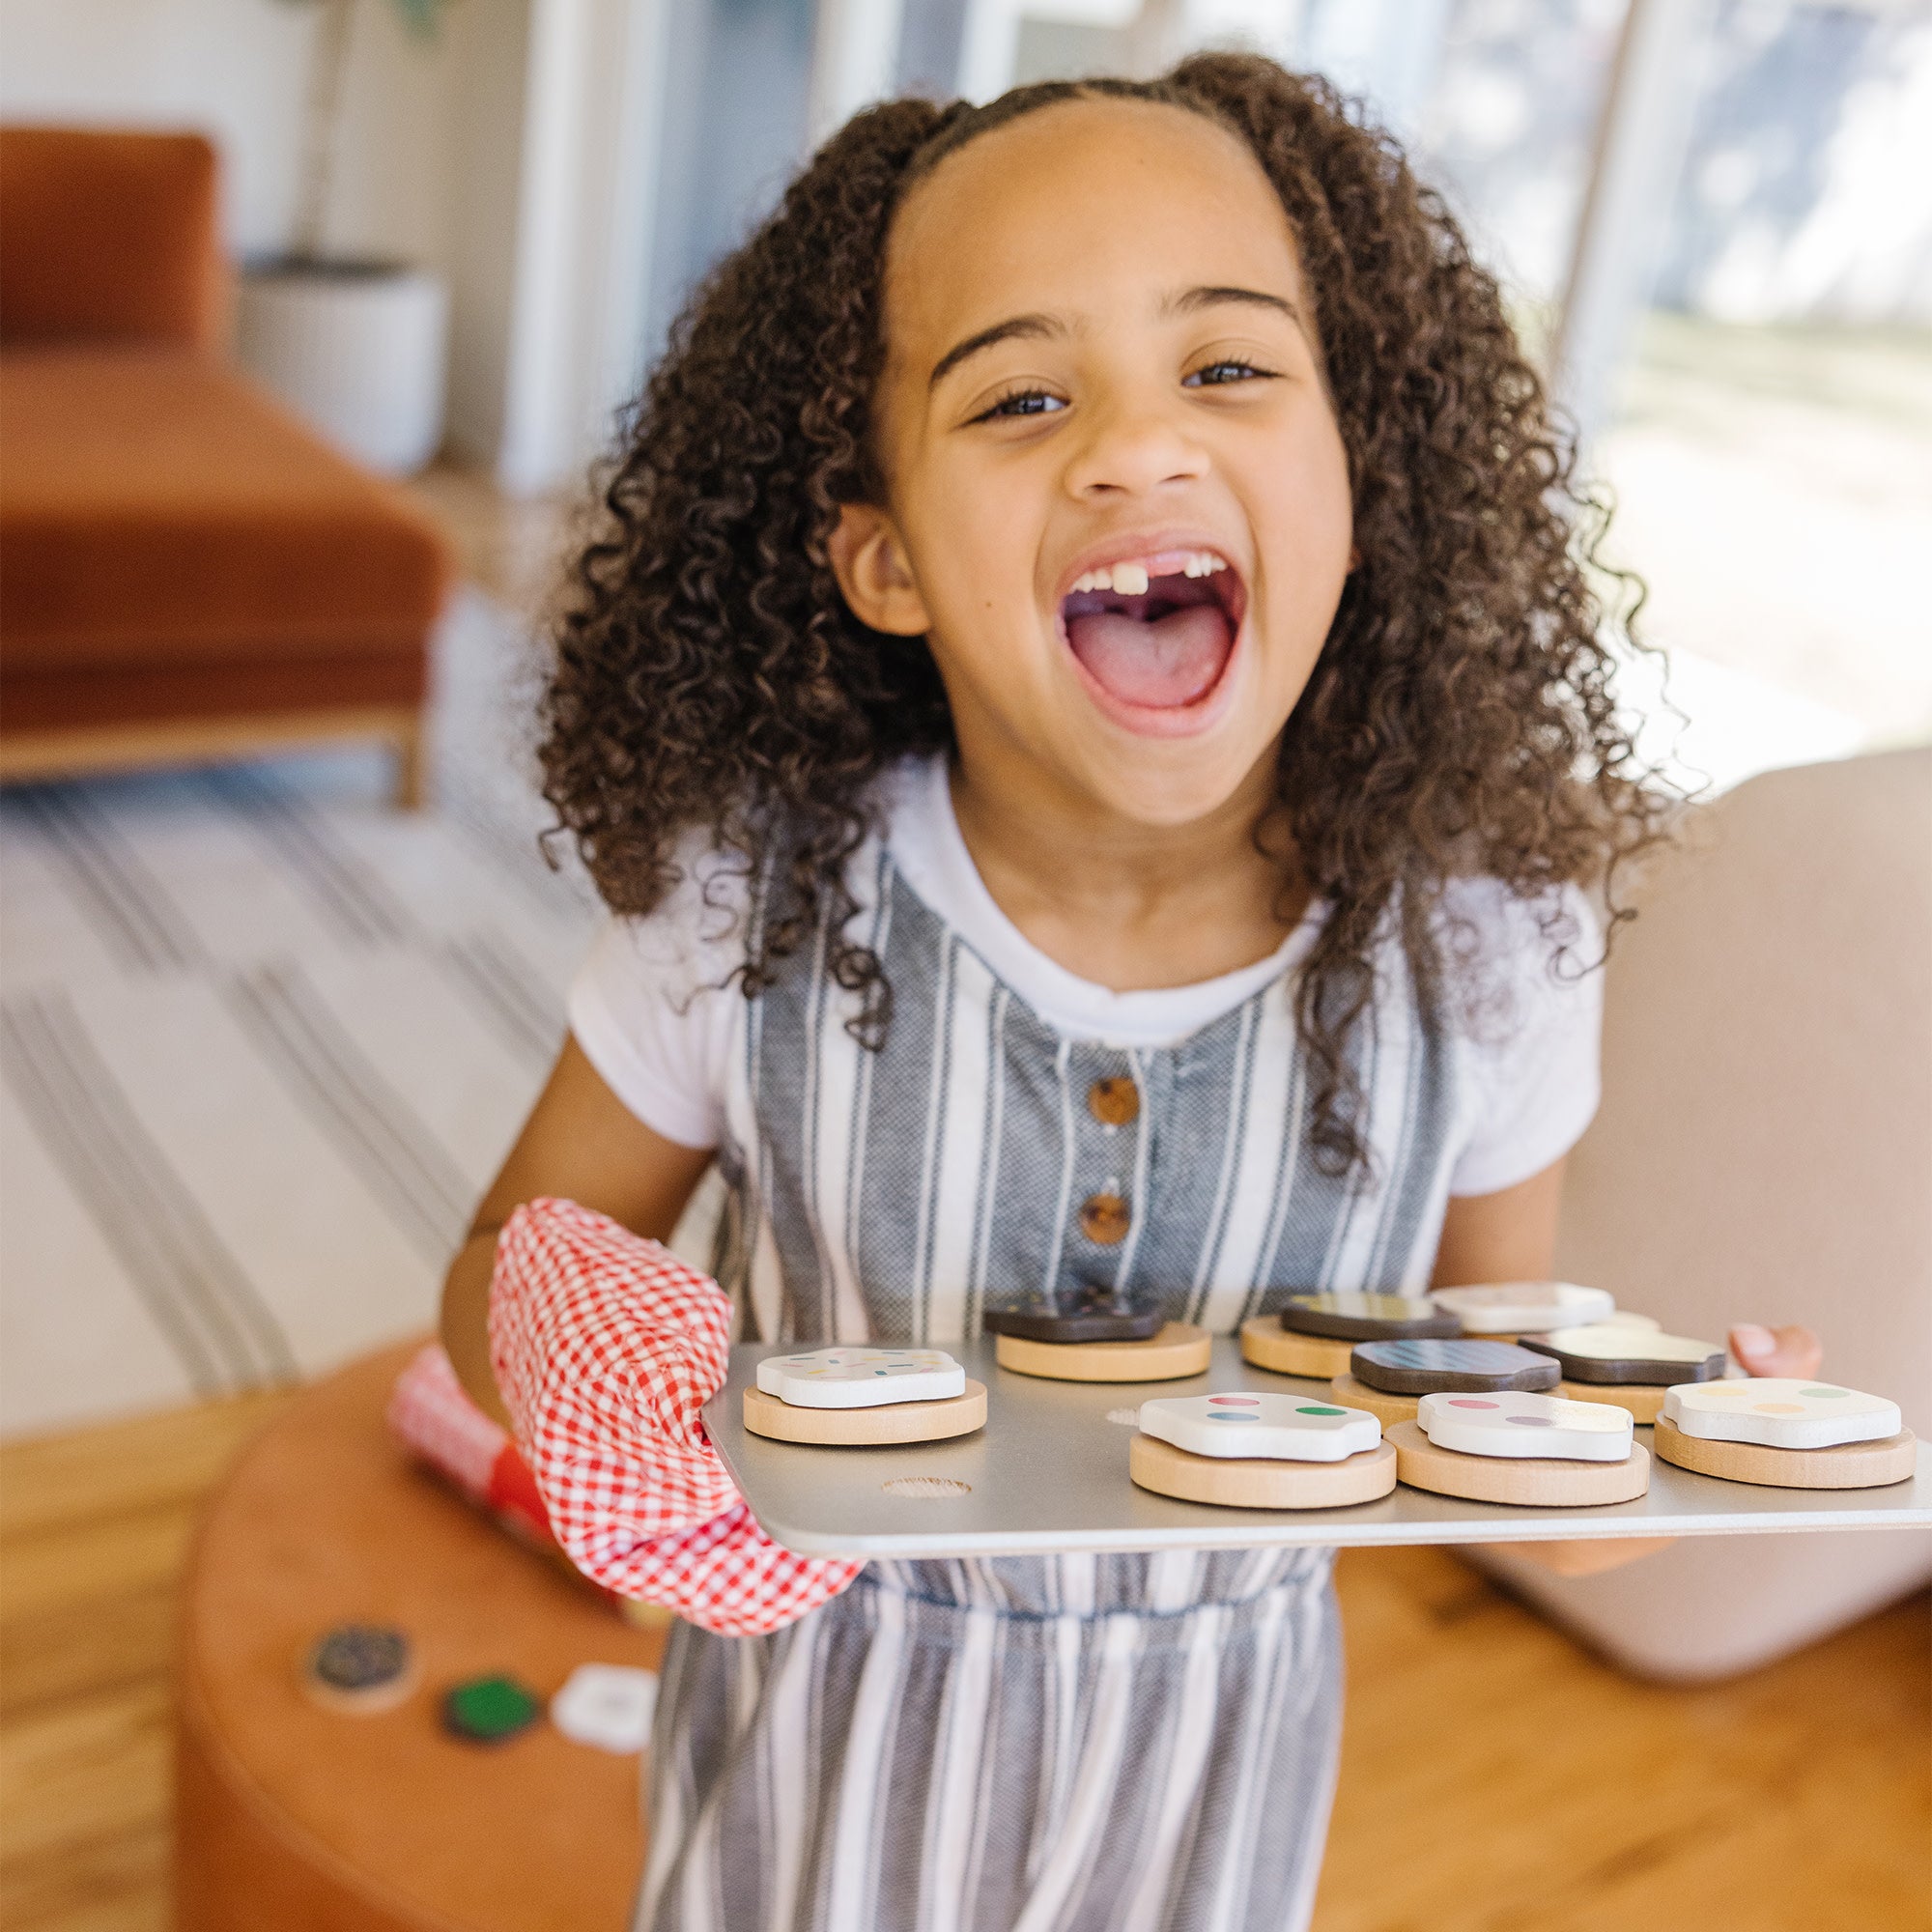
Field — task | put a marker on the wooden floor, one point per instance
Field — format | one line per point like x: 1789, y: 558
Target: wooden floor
x: 1547, y: 1793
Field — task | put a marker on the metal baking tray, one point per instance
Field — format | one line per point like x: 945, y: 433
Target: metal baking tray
x: 1049, y: 1472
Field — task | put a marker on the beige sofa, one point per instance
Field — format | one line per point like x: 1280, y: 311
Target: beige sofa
x: 1764, y: 1153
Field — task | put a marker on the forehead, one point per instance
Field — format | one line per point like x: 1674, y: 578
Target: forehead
x: 1067, y: 209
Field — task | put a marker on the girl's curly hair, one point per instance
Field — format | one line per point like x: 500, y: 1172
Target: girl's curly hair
x: 1458, y: 719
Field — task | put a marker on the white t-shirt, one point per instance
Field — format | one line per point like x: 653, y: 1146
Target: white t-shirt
x: 653, y: 1012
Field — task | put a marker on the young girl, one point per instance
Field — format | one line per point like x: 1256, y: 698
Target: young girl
x: 1091, y: 723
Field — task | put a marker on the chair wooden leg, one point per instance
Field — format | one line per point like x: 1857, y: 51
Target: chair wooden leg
x: 412, y: 768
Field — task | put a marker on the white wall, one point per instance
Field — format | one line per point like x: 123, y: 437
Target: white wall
x: 488, y: 44
x: 238, y: 69
x: 430, y: 163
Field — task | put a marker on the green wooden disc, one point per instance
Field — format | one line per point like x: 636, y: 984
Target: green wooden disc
x: 489, y: 1709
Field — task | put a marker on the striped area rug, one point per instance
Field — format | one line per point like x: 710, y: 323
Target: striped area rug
x: 263, y: 1043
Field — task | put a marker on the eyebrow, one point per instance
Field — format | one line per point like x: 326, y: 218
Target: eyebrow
x: 1030, y: 328
x: 1192, y: 301
x: 1037, y: 327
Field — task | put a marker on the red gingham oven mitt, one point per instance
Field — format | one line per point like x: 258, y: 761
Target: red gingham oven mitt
x: 606, y: 1346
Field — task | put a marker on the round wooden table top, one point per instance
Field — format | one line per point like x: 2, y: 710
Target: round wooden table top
x: 292, y: 1814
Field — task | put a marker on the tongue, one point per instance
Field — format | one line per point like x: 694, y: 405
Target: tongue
x: 1169, y: 662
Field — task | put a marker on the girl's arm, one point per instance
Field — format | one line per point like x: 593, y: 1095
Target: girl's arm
x: 582, y: 1144
x: 1509, y: 1235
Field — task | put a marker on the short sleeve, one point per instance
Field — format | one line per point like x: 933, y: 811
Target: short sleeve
x: 653, y: 1005
x: 1537, y: 1035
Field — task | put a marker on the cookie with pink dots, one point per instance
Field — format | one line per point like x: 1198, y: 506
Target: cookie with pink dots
x: 1515, y: 1446
x: 1515, y: 1422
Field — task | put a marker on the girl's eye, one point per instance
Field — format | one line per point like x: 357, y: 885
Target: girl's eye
x: 1021, y: 403
x: 1231, y: 371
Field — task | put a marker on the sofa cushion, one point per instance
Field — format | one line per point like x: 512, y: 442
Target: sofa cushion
x: 156, y: 508
x: 110, y: 237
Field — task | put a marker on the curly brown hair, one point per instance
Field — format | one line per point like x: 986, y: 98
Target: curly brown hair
x: 1458, y: 719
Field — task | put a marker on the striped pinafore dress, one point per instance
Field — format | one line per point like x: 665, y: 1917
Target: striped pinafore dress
x: 1136, y: 1742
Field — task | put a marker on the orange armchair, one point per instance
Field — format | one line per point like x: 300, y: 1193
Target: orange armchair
x: 187, y: 573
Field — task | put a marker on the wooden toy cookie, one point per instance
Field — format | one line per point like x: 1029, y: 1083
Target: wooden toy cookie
x: 852, y: 1396
x: 1521, y: 1448
x: 1240, y: 1423
x: 1268, y: 1345
x: 607, y: 1705
x: 489, y: 1710
x: 1626, y: 1365
x: 1786, y: 1434
x: 1523, y: 1307
x: 1367, y: 1318
x: 1517, y: 1426
x: 1177, y: 1350
x: 1248, y: 1451
x: 1430, y: 1367
x: 361, y: 1669
x: 861, y: 1378
x: 1312, y: 1334
x: 1611, y: 1353
x: 1091, y: 1314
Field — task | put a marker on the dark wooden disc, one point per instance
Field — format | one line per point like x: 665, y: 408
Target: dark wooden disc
x: 1471, y: 1366
x: 1367, y: 1318
x: 1093, y: 1325
x: 1621, y: 1371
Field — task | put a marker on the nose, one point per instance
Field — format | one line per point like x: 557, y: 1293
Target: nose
x: 1134, y: 446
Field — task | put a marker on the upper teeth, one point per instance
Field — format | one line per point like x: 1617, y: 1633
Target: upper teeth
x: 1130, y: 580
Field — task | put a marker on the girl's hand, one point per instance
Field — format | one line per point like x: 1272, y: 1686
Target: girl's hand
x: 1777, y: 1352
x: 1791, y: 1351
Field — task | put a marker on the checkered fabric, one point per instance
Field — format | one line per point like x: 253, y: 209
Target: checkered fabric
x: 605, y: 1346
x: 431, y: 1412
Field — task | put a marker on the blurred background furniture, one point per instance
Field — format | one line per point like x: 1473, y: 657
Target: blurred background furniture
x: 1764, y: 1153
x: 290, y: 1815
x: 189, y: 573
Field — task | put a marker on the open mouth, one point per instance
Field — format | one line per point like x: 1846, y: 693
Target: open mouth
x: 1155, y: 632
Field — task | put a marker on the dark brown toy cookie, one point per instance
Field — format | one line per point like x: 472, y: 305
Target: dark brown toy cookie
x: 1367, y: 1318
x: 1429, y: 1367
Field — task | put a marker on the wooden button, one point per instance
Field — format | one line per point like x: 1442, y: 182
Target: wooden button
x: 1115, y: 1102
x: 1104, y: 1218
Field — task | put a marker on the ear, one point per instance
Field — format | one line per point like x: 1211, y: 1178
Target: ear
x: 871, y: 564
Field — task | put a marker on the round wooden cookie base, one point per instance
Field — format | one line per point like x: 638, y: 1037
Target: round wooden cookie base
x: 371, y: 1700
x: 1179, y: 1349
x: 1268, y: 1345
x: 1644, y: 1402
x: 1851, y: 1465
x: 1259, y: 1482
x: 857, y: 1427
x: 1383, y: 1407
x: 1534, y: 1480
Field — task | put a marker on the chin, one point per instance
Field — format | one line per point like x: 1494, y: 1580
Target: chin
x: 1165, y: 786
